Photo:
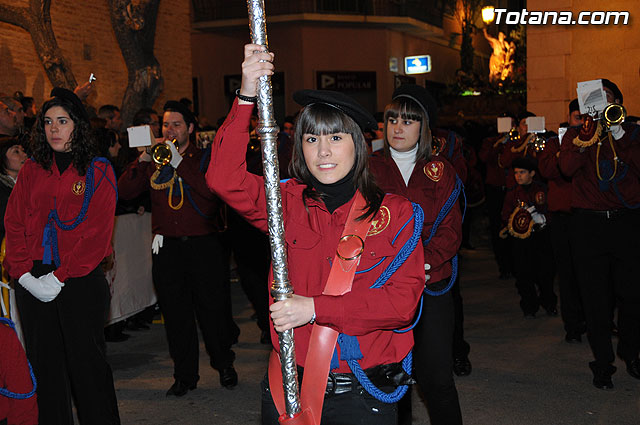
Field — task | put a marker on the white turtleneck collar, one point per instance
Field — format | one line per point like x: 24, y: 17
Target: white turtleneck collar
x: 405, y: 161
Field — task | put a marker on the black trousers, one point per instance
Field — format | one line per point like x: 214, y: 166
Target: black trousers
x: 191, y: 278
x: 570, y: 301
x: 501, y: 247
x: 433, y: 361
x: 460, y: 347
x: 65, y: 344
x: 252, y: 254
x: 606, y: 253
x: 351, y: 408
x: 534, y: 268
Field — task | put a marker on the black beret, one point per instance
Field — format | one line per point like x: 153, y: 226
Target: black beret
x: 617, y: 94
x: 524, y: 162
x: 175, y: 106
x: 523, y: 115
x: 574, y: 106
x: 72, y: 101
x: 340, y: 101
x: 421, y: 96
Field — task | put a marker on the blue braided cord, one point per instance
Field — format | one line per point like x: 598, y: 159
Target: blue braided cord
x: 464, y: 196
x: 451, y: 139
x: 413, y: 325
x: 192, y: 202
x: 204, y: 164
x: 372, y: 267
x: 452, y: 279
x: 393, y: 241
x: 349, y: 346
x: 50, y: 234
x: 19, y: 396
x: 406, y: 250
x: 380, y: 395
x: 105, y: 176
x: 445, y: 209
x: 335, y: 363
x: 616, y: 190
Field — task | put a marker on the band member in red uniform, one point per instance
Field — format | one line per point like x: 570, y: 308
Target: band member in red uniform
x: 495, y: 189
x: 525, y: 212
x: 604, y: 166
x: 17, y: 387
x: 559, y: 202
x: 331, y: 188
x: 517, y: 147
x: 58, y: 228
x: 190, y: 273
x: 406, y: 168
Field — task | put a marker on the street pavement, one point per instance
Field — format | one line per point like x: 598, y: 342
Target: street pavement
x: 523, y: 370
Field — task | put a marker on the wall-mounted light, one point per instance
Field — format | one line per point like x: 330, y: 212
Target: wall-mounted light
x: 488, y: 14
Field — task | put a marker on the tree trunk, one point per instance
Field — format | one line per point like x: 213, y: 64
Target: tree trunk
x: 466, y: 50
x: 36, y: 20
x: 134, y: 24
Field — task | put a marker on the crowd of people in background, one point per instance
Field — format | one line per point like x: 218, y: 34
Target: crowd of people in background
x: 560, y: 213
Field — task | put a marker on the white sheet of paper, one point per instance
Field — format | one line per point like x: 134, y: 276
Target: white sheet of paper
x: 377, y: 145
x: 140, y: 135
x: 561, y: 132
x: 535, y: 125
x: 591, y: 97
x: 504, y: 124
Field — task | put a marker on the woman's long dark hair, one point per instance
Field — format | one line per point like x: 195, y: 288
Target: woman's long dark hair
x: 83, y: 145
x: 408, y: 109
x: 322, y: 119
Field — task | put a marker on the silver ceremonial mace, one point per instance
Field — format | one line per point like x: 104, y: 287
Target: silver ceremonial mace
x: 267, y: 132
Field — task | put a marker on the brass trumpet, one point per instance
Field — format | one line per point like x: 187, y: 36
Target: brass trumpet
x: 538, y: 142
x: 613, y: 114
x: 514, y: 135
x: 161, y: 153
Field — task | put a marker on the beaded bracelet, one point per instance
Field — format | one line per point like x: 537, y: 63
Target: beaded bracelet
x: 252, y: 99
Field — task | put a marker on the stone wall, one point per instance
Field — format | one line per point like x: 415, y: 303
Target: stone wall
x: 84, y: 34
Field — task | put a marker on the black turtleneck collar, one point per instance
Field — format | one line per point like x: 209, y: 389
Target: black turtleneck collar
x: 63, y: 160
x: 336, y: 194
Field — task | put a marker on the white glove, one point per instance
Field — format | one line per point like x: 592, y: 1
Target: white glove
x: 617, y: 132
x: 46, y: 288
x: 156, y: 244
x: 531, y: 209
x: 538, y: 218
x: 176, y: 158
x: 427, y: 266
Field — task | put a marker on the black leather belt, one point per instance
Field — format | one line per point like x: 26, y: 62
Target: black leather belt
x: 602, y: 213
x: 340, y: 383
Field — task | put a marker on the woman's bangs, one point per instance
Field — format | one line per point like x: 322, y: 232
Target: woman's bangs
x: 321, y: 120
x: 404, y: 108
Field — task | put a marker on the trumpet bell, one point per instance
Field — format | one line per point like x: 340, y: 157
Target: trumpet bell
x: 539, y: 143
x: 161, y: 153
x: 613, y: 114
x: 514, y: 136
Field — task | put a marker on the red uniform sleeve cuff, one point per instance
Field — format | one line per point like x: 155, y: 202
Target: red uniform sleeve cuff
x: 61, y: 275
x: 329, y: 311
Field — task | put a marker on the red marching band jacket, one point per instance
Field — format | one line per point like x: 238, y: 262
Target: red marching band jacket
x: 312, y: 235
x: 430, y: 185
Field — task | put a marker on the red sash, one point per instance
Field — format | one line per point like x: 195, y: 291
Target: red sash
x: 323, y: 339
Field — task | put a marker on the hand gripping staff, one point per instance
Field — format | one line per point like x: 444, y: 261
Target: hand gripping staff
x: 281, y: 289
